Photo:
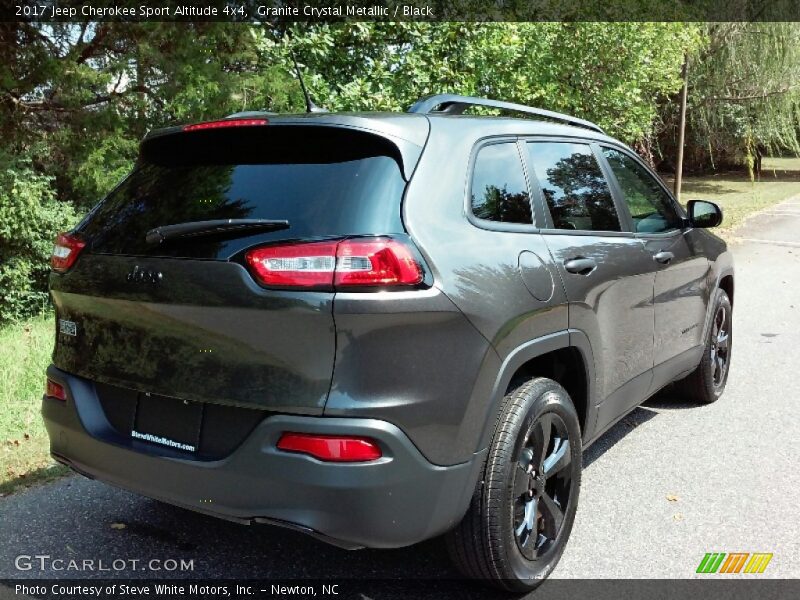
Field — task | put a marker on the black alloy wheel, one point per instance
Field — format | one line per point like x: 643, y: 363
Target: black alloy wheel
x: 542, y: 481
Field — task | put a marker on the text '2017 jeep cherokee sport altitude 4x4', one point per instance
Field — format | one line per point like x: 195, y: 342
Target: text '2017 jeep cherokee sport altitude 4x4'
x: 379, y: 328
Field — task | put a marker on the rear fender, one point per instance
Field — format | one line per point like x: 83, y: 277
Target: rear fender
x: 538, y: 347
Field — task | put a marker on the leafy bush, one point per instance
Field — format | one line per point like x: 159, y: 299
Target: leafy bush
x: 30, y: 218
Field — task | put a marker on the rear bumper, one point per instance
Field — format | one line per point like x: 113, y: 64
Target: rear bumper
x: 395, y: 501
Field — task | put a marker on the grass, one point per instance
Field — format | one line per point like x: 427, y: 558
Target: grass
x: 740, y: 197
x: 25, y: 350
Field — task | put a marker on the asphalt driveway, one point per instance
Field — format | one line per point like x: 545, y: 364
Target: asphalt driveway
x: 666, y: 485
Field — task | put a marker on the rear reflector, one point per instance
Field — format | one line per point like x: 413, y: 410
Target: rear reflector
x: 55, y: 390
x: 359, y: 262
x: 225, y: 123
x: 65, y: 252
x: 331, y: 448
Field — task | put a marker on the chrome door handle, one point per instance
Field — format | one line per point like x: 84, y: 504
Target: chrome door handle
x: 581, y: 265
x: 663, y: 257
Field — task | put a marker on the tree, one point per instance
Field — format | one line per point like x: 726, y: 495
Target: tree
x: 617, y: 74
x: 76, y: 98
x: 744, y: 96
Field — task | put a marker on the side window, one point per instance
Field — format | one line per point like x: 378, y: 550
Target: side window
x: 499, y: 190
x: 573, y: 185
x: 650, y: 206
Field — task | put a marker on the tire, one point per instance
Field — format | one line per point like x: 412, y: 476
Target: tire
x: 707, y: 382
x: 496, y: 541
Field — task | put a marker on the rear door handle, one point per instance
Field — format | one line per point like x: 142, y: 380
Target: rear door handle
x: 580, y: 265
x: 663, y: 257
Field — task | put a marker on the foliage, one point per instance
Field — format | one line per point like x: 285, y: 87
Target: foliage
x: 30, y: 218
x: 744, y: 96
x: 612, y: 73
x: 76, y: 98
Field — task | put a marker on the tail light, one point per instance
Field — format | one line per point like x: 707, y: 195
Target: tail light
x: 331, y: 448
x: 65, y: 252
x: 55, y: 390
x: 360, y: 262
x: 225, y: 123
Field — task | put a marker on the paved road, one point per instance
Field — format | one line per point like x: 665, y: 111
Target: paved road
x: 730, y: 468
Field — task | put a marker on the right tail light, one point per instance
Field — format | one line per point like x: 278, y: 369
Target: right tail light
x: 352, y: 263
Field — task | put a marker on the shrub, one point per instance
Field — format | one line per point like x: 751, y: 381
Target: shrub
x: 30, y: 218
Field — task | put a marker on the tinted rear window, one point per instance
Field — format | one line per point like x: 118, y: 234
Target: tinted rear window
x: 499, y: 190
x: 324, y: 181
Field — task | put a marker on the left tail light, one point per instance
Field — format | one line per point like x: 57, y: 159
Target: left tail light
x: 55, y: 390
x: 65, y: 252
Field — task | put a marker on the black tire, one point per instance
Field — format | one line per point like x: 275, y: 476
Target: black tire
x: 495, y: 541
x: 707, y: 382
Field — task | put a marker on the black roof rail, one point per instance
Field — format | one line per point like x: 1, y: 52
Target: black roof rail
x: 453, y: 104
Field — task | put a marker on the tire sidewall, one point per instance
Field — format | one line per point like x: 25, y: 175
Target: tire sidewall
x: 712, y: 391
x: 524, y: 574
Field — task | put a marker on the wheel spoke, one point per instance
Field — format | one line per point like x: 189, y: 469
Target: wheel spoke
x: 559, y: 459
x: 722, y: 339
x: 541, y: 437
x: 528, y: 521
x: 521, y: 479
x: 552, y: 514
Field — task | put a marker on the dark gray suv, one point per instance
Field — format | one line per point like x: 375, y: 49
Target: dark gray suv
x: 380, y: 328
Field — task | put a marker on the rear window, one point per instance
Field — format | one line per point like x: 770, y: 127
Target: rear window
x: 325, y: 181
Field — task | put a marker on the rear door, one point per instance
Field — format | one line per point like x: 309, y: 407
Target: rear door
x: 606, y: 271
x: 184, y: 318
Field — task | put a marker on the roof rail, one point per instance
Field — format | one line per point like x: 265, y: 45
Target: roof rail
x: 453, y: 104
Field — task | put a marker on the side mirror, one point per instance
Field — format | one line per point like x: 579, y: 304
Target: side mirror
x: 703, y: 214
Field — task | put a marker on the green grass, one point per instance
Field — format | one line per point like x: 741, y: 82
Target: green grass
x: 738, y: 196
x: 25, y: 350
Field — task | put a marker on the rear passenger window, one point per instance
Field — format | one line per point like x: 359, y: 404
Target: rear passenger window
x: 573, y: 185
x: 499, y: 190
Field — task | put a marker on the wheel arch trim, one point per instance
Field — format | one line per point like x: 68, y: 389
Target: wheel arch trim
x: 568, y: 338
x: 722, y: 274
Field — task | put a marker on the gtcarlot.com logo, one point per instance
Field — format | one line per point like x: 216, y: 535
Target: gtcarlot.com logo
x: 45, y: 562
x: 734, y: 563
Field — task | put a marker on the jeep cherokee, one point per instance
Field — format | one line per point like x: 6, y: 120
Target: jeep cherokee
x: 377, y: 328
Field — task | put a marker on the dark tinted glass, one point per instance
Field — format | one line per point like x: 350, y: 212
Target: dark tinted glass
x: 323, y: 185
x: 573, y: 185
x: 650, y: 206
x: 499, y: 191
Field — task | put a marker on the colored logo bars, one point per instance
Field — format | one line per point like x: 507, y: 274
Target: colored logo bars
x: 736, y: 562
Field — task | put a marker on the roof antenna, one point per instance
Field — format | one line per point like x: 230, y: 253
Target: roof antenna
x: 310, y: 106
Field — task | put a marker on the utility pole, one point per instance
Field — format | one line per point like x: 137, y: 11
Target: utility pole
x: 682, y: 128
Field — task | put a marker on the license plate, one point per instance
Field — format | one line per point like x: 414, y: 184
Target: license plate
x: 168, y: 422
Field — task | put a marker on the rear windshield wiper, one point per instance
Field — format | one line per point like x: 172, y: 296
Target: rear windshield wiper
x: 218, y: 227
